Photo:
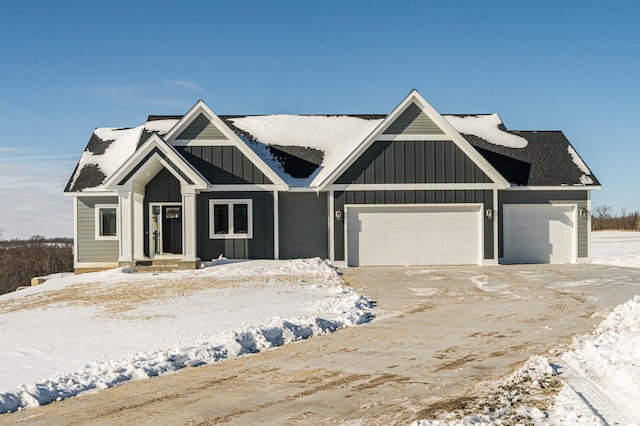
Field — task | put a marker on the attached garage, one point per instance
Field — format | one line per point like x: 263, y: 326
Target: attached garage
x: 540, y: 233
x: 413, y: 234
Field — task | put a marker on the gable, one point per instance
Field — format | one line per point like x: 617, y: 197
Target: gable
x: 201, y: 128
x: 223, y: 165
x: 411, y: 162
x: 413, y: 121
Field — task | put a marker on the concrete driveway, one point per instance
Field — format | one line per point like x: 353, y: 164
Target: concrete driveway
x: 441, y: 332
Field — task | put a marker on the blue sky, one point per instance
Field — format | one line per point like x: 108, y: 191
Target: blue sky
x: 70, y: 66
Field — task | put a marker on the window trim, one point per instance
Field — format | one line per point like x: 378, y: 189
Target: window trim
x: 98, y: 236
x: 231, y: 234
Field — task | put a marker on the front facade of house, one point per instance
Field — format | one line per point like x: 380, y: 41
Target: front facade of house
x: 412, y: 187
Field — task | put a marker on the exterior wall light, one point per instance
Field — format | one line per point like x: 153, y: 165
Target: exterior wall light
x: 489, y: 213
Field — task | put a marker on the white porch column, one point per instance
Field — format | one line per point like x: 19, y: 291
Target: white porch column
x: 125, y: 201
x: 138, y: 226
x: 188, y: 223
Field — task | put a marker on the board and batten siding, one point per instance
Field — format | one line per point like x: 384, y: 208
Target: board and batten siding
x: 304, y: 226
x: 223, y: 165
x: 386, y: 162
x: 163, y: 188
x: 484, y: 197
x: 89, y: 249
x: 577, y: 197
x: 413, y: 121
x: 258, y: 247
x: 201, y: 128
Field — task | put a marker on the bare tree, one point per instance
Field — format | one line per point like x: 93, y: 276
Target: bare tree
x: 602, y: 212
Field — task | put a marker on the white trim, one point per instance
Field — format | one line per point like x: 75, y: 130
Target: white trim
x: 242, y: 187
x: 553, y: 188
x: 415, y: 137
x: 575, y: 217
x: 496, y: 224
x: 155, y: 142
x: 91, y: 194
x: 201, y: 108
x: 449, y: 133
x: 202, y: 142
x: 303, y: 189
x: 189, y: 237
x: 478, y: 206
x: 231, y: 235
x: 413, y: 186
x: 152, y: 253
x: 96, y: 213
x: 276, y: 225
x: 96, y: 265
x: 588, y: 228
x: 75, y: 232
x: 332, y: 225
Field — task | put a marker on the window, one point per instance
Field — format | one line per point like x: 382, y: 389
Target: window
x: 230, y: 219
x: 106, y: 222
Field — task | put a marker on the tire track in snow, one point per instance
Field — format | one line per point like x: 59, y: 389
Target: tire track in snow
x: 599, y: 403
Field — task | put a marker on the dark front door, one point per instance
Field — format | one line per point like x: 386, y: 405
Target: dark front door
x: 172, y: 229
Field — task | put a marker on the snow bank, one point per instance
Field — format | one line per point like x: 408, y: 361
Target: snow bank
x: 251, y: 306
x: 609, y: 356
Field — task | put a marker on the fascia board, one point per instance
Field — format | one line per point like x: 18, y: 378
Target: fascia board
x: 459, y: 140
x: 201, y: 107
x: 366, y: 143
x: 155, y: 142
x: 449, y: 133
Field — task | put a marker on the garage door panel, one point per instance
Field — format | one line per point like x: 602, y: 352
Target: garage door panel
x: 413, y: 235
x: 539, y: 234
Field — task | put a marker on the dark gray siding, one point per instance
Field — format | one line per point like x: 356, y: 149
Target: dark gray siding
x: 201, y: 128
x: 304, y: 227
x: 223, y: 165
x: 413, y: 162
x: 164, y: 187
x: 413, y: 122
x: 412, y: 197
x: 89, y: 249
x: 578, y: 197
x: 258, y: 247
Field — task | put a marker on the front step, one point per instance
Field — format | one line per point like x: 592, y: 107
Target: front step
x: 164, y: 265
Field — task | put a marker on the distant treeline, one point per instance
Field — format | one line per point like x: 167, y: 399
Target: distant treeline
x: 603, y: 218
x: 21, y: 260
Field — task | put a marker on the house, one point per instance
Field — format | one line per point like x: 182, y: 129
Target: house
x: 412, y: 187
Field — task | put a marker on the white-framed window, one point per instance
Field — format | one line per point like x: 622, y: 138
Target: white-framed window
x: 230, y: 219
x: 106, y: 221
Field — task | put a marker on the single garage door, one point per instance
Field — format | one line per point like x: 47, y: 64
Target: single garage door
x: 413, y: 235
x: 540, y: 233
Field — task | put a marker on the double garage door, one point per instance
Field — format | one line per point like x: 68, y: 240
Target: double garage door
x: 541, y: 233
x: 414, y: 235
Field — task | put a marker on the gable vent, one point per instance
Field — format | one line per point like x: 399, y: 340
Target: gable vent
x: 201, y: 128
x: 413, y: 121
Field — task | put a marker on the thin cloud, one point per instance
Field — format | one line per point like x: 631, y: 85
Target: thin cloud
x: 36, y: 157
x: 187, y: 84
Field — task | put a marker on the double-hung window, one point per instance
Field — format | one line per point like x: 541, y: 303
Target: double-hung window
x: 106, y: 221
x: 230, y: 219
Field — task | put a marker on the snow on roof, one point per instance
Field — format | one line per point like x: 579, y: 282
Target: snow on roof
x: 161, y: 126
x: 336, y: 135
x: 585, y: 179
x: 120, y: 144
x: 486, y: 127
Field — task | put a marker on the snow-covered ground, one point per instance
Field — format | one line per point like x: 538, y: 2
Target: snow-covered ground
x: 598, y: 379
x: 77, y: 334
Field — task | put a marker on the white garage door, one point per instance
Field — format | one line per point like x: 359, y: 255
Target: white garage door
x: 413, y: 235
x: 540, y: 233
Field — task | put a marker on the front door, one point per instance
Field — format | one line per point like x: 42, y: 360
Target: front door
x: 166, y: 228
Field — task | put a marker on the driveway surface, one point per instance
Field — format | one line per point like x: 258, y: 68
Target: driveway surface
x: 441, y: 332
